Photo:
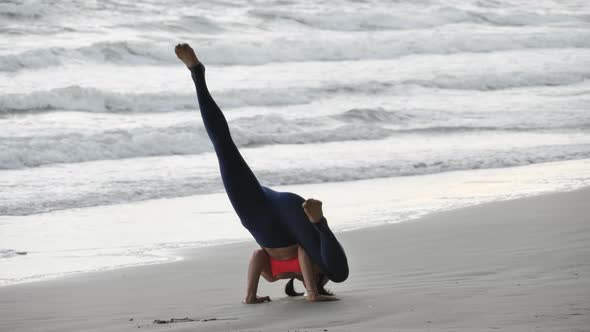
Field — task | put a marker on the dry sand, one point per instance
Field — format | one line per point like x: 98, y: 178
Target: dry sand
x: 520, y: 265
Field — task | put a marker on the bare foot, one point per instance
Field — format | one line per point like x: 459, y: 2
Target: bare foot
x: 186, y: 54
x: 313, y: 210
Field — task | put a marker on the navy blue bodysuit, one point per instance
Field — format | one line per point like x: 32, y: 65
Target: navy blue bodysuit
x: 275, y: 219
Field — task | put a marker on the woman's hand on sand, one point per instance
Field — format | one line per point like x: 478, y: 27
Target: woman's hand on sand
x: 256, y: 299
x: 313, y: 210
x: 186, y: 54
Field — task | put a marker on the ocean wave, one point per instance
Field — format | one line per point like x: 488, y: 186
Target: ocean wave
x: 332, y: 47
x: 408, y: 17
x: 118, y: 52
x: 430, y: 165
x: 93, y: 100
x: 357, y: 124
x: 76, y: 98
x: 30, y: 151
x: 22, y: 10
x: 182, y: 179
x: 185, y: 23
x: 341, y: 16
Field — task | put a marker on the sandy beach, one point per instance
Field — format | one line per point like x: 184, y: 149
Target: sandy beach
x: 518, y: 265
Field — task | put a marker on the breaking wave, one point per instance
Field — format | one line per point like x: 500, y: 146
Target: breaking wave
x: 179, y: 180
x: 78, y: 98
x: 186, y: 139
x: 334, y: 47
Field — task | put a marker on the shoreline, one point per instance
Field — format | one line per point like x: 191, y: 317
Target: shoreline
x: 520, y: 265
x: 152, y: 232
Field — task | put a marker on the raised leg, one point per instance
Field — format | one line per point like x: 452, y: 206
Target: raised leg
x: 242, y: 187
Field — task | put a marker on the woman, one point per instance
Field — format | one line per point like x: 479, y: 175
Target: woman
x: 293, y: 234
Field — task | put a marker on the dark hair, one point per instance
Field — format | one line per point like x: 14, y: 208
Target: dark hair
x: 322, y: 280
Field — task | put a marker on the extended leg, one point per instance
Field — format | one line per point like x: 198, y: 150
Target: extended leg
x: 242, y: 187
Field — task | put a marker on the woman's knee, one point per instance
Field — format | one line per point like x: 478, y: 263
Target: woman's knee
x: 339, y: 275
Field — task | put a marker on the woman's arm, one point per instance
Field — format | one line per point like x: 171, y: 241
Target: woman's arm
x: 258, y: 266
x: 310, y: 271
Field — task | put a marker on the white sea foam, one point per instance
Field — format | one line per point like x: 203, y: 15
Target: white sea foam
x: 327, y: 46
x: 510, y: 70
x: 409, y: 16
x: 117, y: 181
x: 79, y: 144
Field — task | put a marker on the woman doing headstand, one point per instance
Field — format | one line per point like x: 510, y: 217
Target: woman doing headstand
x: 292, y: 232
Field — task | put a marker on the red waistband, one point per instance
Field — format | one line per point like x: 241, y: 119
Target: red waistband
x: 282, y: 266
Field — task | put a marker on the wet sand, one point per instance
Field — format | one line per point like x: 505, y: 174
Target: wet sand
x: 518, y: 265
